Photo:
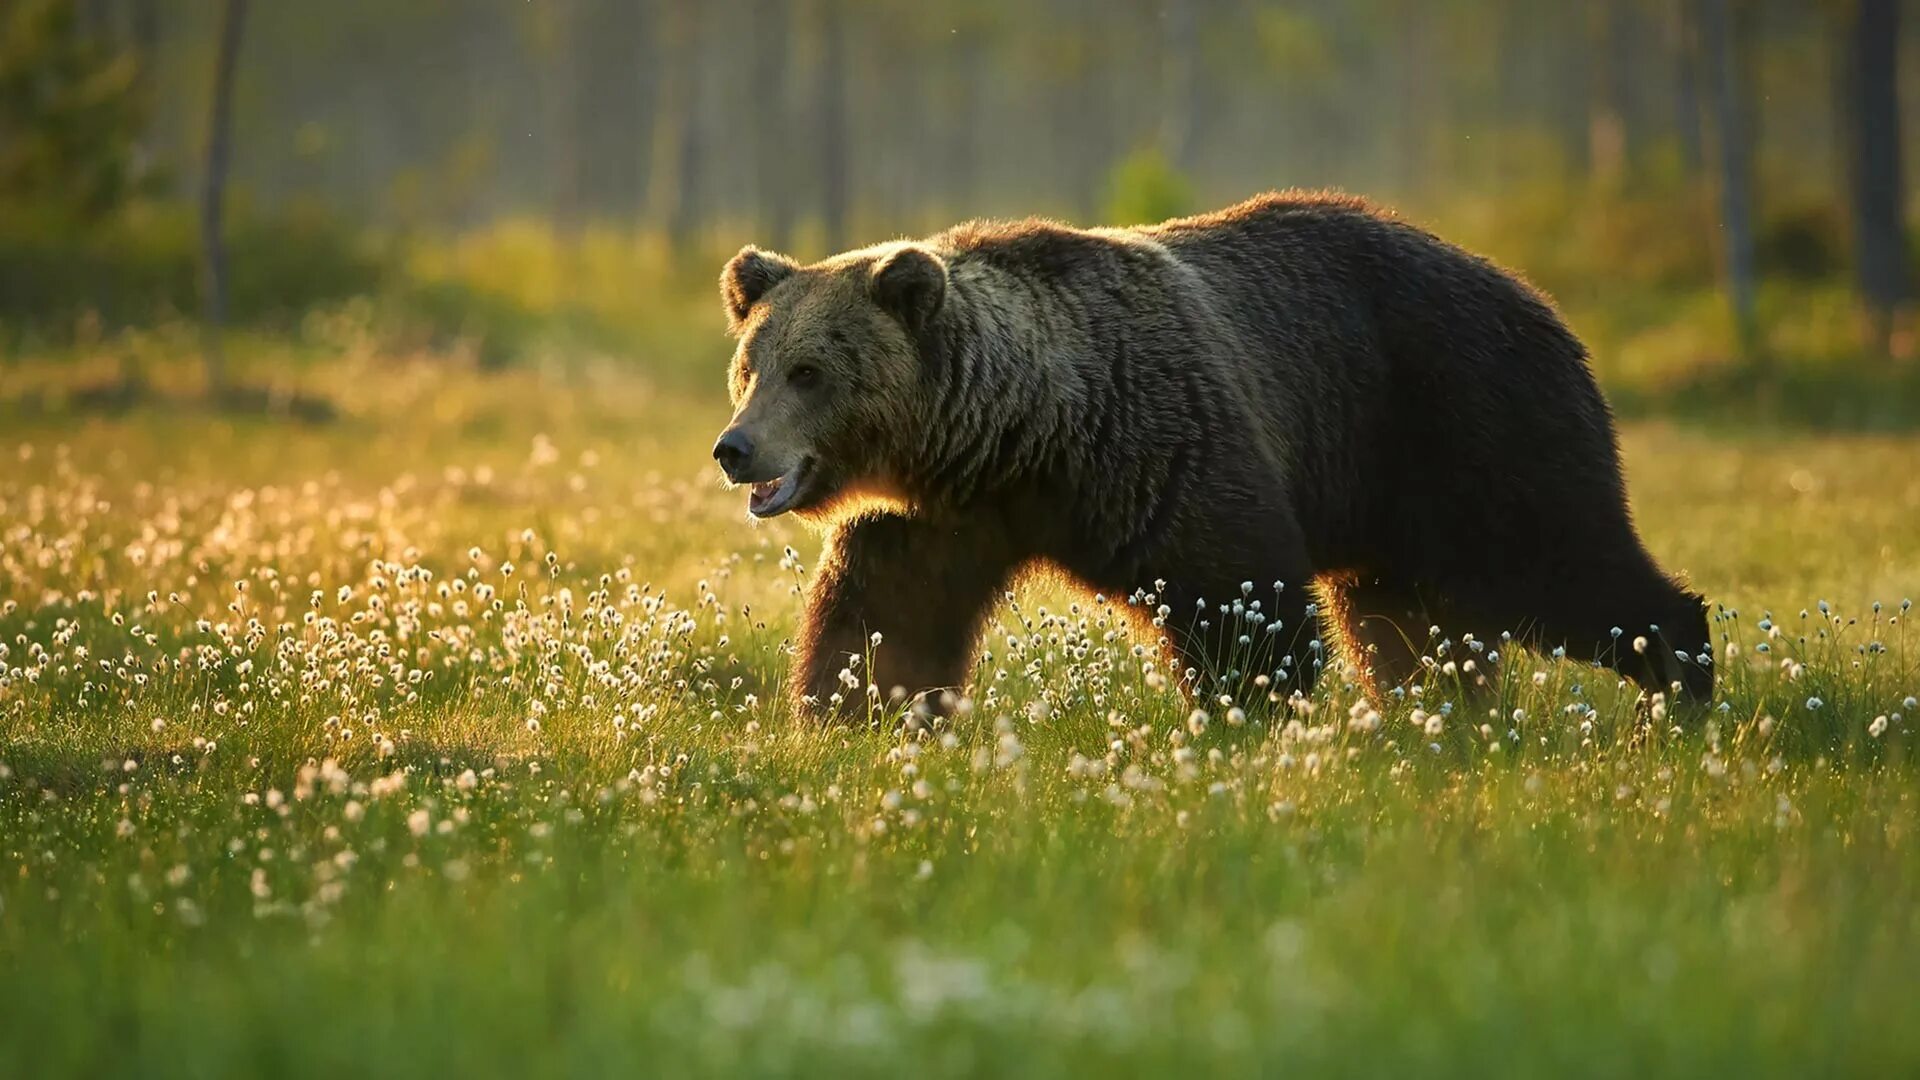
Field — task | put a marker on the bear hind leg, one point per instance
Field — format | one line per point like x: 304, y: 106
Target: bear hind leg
x: 1629, y: 618
x: 1382, y: 625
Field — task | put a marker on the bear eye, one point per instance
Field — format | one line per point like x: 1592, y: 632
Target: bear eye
x: 804, y: 375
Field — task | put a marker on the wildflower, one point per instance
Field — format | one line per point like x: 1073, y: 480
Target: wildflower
x: 419, y: 822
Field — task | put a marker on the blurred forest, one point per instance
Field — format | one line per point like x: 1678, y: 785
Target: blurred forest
x: 1718, y: 185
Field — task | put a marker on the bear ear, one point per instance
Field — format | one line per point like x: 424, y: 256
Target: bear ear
x: 747, y: 278
x: 911, y: 283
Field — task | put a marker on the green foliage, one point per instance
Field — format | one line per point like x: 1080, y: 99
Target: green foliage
x: 69, y: 112
x: 141, y: 265
x: 1146, y: 188
x: 1803, y: 243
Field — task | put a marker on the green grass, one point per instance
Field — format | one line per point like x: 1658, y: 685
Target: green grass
x: 273, y: 804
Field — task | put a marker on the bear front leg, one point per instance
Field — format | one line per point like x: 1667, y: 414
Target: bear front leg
x: 924, y: 587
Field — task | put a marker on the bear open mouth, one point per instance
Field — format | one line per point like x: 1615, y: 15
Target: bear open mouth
x: 770, y: 497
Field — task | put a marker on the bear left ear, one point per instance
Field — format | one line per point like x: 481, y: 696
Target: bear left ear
x: 911, y: 283
x: 747, y: 278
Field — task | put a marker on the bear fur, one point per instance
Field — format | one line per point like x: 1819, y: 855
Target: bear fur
x: 1298, y: 400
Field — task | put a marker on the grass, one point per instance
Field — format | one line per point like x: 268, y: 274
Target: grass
x: 300, y: 779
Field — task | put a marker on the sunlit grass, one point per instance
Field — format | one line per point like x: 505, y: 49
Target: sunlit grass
x: 450, y: 736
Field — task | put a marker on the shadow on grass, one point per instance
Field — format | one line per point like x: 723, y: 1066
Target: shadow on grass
x: 123, y: 394
x: 65, y: 771
x: 1851, y: 397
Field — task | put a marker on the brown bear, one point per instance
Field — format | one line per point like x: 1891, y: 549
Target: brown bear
x: 1206, y: 416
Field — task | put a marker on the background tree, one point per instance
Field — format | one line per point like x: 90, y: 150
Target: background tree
x: 831, y: 107
x: 773, y: 118
x: 680, y: 124
x: 1869, y: 69
x: 1590, y: 145
x: 213, y: 193
x: 1727, y: 94
x: 71, y: 111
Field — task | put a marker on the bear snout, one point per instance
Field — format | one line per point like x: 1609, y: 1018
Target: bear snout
x: 734, y: 452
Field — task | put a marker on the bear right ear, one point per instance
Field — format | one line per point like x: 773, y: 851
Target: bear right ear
x: 747, y: 278
x: 911, y: 282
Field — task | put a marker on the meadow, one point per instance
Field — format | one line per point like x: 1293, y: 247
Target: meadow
x: 447, y: 735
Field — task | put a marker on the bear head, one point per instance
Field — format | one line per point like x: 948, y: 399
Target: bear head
x: 826, y: 377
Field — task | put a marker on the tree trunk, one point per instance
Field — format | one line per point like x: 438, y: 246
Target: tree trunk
x: 146, y: 32
x: 1871, y: 141
x: 772, y: 32
x: 1610, y: 133
x: 680, y: 130
x: 1727, y: 96
x: 1179, y: 85
x: 835, y: 169
x: 213, y: 289
x: 561, y: 75
x: 648, y: 38
x: 1419, y: 110
x: 963, y: 142
x: 1684, y: 32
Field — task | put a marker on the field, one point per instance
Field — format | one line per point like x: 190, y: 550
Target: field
x: 445, y: 736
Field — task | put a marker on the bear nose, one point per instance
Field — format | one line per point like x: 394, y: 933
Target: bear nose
x: 734, y: 452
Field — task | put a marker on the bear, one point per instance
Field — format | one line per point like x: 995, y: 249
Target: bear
x: 1294, y: 422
